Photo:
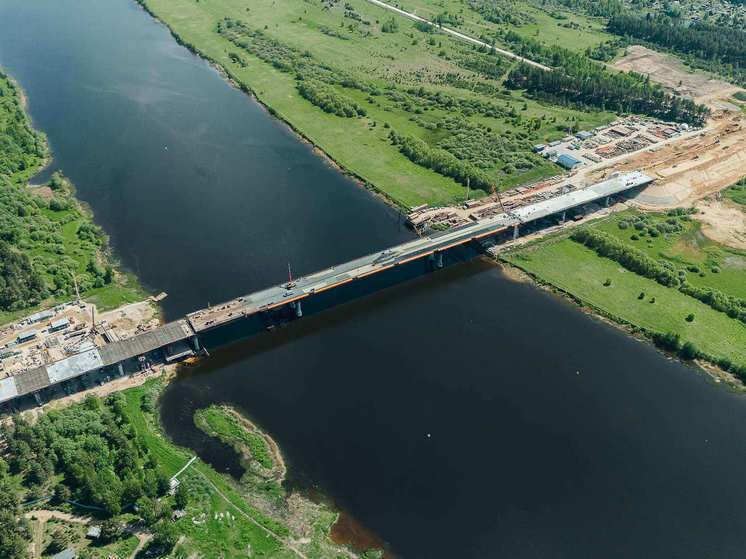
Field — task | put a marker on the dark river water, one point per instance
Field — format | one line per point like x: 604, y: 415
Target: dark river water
x: 458, y: 414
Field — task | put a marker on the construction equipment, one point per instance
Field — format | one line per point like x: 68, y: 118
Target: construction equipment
x: 497, y: 196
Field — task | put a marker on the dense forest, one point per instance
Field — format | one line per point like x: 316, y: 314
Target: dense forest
x: 623, y: 93
x: 578, y: 81
x: 86, y: 453
x: 718, y: 48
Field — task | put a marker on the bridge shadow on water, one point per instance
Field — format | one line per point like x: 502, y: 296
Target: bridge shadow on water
x: 259, y: 333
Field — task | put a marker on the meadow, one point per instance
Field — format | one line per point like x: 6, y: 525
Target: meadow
x: 645, y: 304
x: 400, y: 76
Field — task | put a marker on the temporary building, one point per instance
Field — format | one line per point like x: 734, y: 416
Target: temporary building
x: 567, y: 161
x: 26, y: 336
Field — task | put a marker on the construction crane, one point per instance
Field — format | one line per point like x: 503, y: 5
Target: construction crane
x: 497, y: 196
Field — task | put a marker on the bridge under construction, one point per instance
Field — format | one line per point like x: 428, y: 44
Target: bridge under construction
x: 180, y: 338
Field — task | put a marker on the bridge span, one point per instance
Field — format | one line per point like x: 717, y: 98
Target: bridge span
x: 172, y: 341
x: 284, y: 294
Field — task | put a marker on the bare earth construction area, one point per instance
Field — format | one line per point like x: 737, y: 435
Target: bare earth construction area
x: 672, y: 74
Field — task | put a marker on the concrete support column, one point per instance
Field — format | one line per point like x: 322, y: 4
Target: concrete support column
x: 515, y: 232
x: 606, y: 201
x: 120, y: 369
x: 438, y: 259
x: 563, y: 217
x: 195, y: 342
x: 298, y: 309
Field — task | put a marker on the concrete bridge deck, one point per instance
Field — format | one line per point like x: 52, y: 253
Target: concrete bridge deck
x: 171, y: 337
x: 279, y: 295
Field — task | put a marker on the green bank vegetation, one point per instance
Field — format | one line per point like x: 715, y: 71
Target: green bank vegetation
x: 414, y: 112
x: 656, y: 273
x: 46, y: 236
x: 111, y: 453
x: 737, y: 192
x: 221, y: 422
x: 349, y: 74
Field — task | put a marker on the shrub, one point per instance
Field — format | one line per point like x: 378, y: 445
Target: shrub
x: 329, y: 100
x: 607, y: 283
x: 690, y: 317
x: 390, y: 26
x: 641, y: 295
x: 688, y: 351
x: 668, y: 341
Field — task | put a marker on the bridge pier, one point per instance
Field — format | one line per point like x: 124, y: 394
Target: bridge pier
x: 296, y: 306
x: 562, y: 219
x: 438, y: 259
x: 606, y: 201
x: 195, y: 341
x: 515, y: 231
x: 120, y: 369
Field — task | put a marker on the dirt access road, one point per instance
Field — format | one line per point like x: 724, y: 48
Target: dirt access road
x: 458, y: 35
x: 691, y: 169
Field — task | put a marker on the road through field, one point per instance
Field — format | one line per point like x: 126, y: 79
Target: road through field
x: 459, y: 35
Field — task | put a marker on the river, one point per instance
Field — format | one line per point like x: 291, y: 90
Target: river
x: 458, y: 414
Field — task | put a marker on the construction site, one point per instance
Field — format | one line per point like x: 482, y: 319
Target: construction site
x: 686, y: 163
x: 72, y: 347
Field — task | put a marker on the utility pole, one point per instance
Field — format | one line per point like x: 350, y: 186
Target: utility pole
x: 77, y: 293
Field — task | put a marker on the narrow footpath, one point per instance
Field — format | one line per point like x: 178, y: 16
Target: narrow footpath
x: 251, y: 519
x: 460, y: 35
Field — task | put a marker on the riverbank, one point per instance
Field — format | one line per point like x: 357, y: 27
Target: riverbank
x: 51, y: 247
x: 669, y: 316
x: 379, y: 76
x: 219, y: 512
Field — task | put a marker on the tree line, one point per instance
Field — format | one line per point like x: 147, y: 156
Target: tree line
x: 718, y: 48
x: 329, y: 100
x: 621, y: 93
x: 87, y: 453
x: 21, y: 147
x: 440, y: 161
x: 637, y: 261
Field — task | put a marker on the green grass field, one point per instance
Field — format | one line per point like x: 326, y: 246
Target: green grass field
x: 207, y: 533
x: 581, y: 272
x: 707, y: 263
x: 737, y: 193
x: 350, y: 39
x: 552, y: 24
x: 578, y: 271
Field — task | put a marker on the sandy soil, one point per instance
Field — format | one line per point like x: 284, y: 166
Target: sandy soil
x: 689, y: 170
x: 670, y: 72
x: 723, y: 221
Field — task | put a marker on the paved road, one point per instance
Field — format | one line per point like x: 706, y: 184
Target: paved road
x: 459, y: 35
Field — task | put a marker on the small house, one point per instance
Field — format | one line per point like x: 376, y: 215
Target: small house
x: 68, y: 553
